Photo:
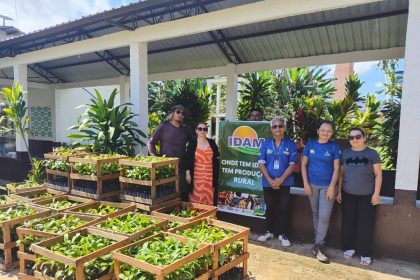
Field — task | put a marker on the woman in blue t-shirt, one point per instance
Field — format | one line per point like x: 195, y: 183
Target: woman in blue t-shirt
x: 320, y: 170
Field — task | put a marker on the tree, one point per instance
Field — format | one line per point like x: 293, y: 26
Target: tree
x: 256, y: 93
x: 108, y: 128
x: 16, y: 113
x: 389, y: 130
x: 193, y: 95
x: 302, y: 96
x: 342, y: 112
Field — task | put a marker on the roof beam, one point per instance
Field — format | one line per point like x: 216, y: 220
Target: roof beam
x: 225, y: 46
x: 255, y: 12
x: 112, y: 61
x: 46, y: 74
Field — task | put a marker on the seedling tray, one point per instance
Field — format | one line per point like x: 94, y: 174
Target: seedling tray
x: 204, y: 211
x: 7, y: 200
x: 27, y: 196
x: 149, y: 208
x: 9, y: 243
x: 16, y: 187
x: 26, y: 256
x: 56, y: 179
x: 43, y: 249
x: 160, y: 272
x: 121, y: 209
x: 159, y: 223
x: 46, y: 201
x: 105, y: 187
x: 239, y: 234
x: 153, y: 191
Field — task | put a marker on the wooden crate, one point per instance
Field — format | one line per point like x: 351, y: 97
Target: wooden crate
x: 42, y: 249
x: 205, y: 211
x: 18, y: 187
x: 150, y: 208
x: 160, y: 223
x: 44, y: 202
x: 122, y: 208
x: 26, y: 256
x: 160, y: 272
x: 153, y: 183
x: 58, y: 180
x: 7, y: 200
x: 101, y: 180
x: 9, y: 243
x: 26, y: 196
x: 240, y: 234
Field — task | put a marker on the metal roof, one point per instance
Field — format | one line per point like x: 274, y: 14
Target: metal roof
x: 378, y: 25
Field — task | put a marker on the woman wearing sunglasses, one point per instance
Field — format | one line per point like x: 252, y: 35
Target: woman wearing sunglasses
x: 320, y: 169
x: 276, y: 160
x: 359, y: 189
x: 202, y: 167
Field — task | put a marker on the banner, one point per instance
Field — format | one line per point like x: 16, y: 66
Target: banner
x: 240, y: 189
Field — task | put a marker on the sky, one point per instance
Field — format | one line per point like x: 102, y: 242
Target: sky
x: 29, y: 16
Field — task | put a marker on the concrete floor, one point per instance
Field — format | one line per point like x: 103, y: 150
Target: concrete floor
x: 270, y: 261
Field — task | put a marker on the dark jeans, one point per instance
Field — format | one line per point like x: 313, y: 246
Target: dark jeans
x: 183, y: 183
x: 357, y: 223
x: 277, y: 211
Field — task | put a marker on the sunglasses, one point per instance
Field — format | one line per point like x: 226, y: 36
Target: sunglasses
x: 205, y: 129
x: 180, y: 112
x: 277, y: 126
x: 358, y: 137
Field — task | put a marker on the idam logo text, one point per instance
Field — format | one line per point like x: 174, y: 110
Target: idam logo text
x: 245, y: 139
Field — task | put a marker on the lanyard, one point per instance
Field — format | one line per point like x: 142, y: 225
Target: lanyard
x: 276, y: 154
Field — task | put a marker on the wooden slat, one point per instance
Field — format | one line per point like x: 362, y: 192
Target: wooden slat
x: 207, y: 211
x: 160, y: 271
x: 57, y: 172
x: 219, y: 271
x: 131, y: 162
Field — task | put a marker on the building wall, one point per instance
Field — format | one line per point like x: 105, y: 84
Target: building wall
x: 66, y: 101
x: 342, y: 71
x: 41, y: 112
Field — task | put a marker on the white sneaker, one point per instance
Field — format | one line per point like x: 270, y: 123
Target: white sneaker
x: 265, y: 236
x: 284, y: 240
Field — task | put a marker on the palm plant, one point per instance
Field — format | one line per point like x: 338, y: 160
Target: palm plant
x: 302, y: 97
x: 389, y: 128
x: 192, y: 94
x: 16, y: 113
x: 108, y: 128
x: 256, y: 93
x: 341, y: 112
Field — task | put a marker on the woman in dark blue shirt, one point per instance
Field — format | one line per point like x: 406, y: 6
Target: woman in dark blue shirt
x: 277, y: 158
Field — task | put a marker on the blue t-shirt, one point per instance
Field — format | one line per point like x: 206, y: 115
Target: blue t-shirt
x: 321, y: 161
x: 286, y: 154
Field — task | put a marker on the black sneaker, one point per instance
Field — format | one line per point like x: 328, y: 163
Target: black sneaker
x: 321, y: 256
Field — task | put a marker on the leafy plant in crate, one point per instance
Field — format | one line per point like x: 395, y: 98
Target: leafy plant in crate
x: 59, y: 225
x: 163, y: 252
x: 108, y: 128
x: 208, y: 233
x: 74, y: 247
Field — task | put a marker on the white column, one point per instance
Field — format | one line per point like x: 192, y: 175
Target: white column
x: 218, y: 92
x: 124, y: 94
x: 409, y: 138
x: 138, y: 86
x: 20, y: 74
x: 231, y: 93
